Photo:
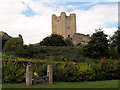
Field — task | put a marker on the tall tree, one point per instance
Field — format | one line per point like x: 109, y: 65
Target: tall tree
x: 53, y: 40
x: 97, y: 46
x: 13, y: 43
x: 115, y: 40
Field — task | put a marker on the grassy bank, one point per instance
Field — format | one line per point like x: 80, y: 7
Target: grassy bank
x: 87, y: 84
x: 47, y: 53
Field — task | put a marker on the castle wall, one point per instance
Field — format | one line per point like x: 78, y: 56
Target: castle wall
x: 79, y: 39
x: 64, y: 25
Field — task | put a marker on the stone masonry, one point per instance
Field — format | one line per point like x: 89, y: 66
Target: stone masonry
x: 79, y: 39
x: 66, y: 26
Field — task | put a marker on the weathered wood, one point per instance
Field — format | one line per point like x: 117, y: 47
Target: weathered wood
x: 37, y: 80
x: 50, y: 73
x: 40, y: 79
x: 47, y: 79
x: 29, y: 75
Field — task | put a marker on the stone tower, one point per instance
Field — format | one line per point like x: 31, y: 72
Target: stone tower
x: 64, y: 25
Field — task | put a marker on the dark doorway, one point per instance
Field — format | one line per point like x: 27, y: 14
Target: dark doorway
x: 68, y: 36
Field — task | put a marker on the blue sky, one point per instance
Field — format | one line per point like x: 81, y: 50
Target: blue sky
x: 78, y: 6
x: 32, y: 18
x: 29, y: 12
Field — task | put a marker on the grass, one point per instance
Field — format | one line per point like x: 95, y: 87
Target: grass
x: 86, y: 84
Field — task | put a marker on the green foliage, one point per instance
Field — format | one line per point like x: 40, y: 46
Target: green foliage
x: 5, y: 38
x: 110, y: 67
x: 83, y: 72
x: 12, y: 44
x: 69, y: 72
x: 63, y: 72
x: 41, y: 69
x: 13, y: 72
x: 113, y: 52
x: 53, y: 40
x: 115, y: 41
x: 97, y: 46
x: 55, y: 53
x: 99, y: 74
x: 68, y: 42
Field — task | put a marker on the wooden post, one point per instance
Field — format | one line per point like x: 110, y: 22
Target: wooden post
x: 29, y: 75
x: 50, y: 74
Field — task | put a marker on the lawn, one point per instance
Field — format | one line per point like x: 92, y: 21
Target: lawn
x: 85, y: 84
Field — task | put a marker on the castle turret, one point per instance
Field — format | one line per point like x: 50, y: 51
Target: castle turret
x: 54, y: 23
x: 63, y: 24
x: 73, y: 23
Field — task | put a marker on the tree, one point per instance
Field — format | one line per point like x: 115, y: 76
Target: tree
x: 13, y: 43
x: 115, y: 41
x: 68, y: 42
x: 97, y: 46
x: 5, y: 37
x: 53, y: 40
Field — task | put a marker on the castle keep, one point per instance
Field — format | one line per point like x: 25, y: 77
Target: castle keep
x: 66, y: 26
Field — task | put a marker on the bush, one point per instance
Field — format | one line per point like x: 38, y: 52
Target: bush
x: 69, y: 72
x: 110, y: 67
x: 41, y: 69
x: 83, y: 72
x: 68, y: 42
x: 13, y: 72
x: 99, y: 73
x: 113, y: 53
x: 56, y: 53
x: 63, y: 72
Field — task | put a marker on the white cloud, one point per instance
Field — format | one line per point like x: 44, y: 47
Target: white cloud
x: 109, y: 31
x: 79, y: 0
x: 34, y: 29
x: 96, y: 17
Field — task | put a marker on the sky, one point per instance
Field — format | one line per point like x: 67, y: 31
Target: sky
x: 32, y: 18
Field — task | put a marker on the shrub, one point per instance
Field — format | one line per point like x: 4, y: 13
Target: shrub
x: 110, y: 67
x: 13, y: 72
x: 69, y: 72
x: 62, y: 72
x: 99, y: 74
x: 68, y: 42
x: 45, y: 52
x: 41, y: 69
x: 113, y: 52
x: 83, y: 72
